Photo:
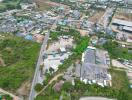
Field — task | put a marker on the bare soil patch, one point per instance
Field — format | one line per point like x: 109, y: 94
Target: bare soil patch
x: 2, y: 63
x: 96, y: 17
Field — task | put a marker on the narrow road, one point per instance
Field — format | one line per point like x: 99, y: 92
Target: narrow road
x: 50, y: 82
x: 37, y: 71
x: 105, y: 18
x: 37, y: 77
x: 12, y: 95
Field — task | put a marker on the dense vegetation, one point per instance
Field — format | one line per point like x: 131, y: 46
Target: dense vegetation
x: 120, y: 85
x: 6, y: 97
x: 11, y: 4
x: 18, y: 58
x: 119, y: 89
x: 116, y: 51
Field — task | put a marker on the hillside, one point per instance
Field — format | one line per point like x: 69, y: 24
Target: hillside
x: 10, y: 4
x: 17, y: 61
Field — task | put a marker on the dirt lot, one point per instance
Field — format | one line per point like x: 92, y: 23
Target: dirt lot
x: 46, y: 4
x: 61, y: 43
x: 96, y: 16
x: 42, y: 4
x: 127, y: 17
x: 24, y: 89
x: 2, y: 63
x: 83, y: 32
x: 123, y: 14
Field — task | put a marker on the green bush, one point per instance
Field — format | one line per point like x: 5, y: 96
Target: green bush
x: 38, y: 87
x: 116, y: 51
x: 19, y: 57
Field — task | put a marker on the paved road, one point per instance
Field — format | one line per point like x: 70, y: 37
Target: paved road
x: 105, y: 18
x: 37, y: 77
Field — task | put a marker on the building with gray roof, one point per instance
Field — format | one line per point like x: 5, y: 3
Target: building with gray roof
x: 94, y: 66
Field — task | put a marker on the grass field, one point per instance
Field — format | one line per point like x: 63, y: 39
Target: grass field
x: 12, y: 4
x: 119, y: 79
x: 18, y: 59
x: 121, y: 83
x: 9, y: 4
x: 120, y: 89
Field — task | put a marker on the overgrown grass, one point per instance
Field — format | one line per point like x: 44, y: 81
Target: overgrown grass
x: 20, y: 57
x: 119, y: 89
x: 119, y: 79
x: 10, y: 4
x: 116, y: 51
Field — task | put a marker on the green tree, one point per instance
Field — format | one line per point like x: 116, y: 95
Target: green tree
x: 38, y: 87
x: 122, y: 95
x: 67, y: 86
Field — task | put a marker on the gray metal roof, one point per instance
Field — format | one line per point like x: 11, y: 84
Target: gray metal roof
x: 93, y: 71
x: 89, y: 56
x: 122, y: 22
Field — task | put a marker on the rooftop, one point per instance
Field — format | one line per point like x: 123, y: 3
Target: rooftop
x: 122, y: 22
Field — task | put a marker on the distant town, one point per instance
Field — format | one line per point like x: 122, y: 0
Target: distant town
x: 66, y: 50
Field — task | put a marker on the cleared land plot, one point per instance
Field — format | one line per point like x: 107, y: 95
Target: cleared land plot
x: 19, y: 57
x: 119, y: 80
x: 42, y: 5
x: 60, y: 43
x: 96, y: 16
x: 47, y: 4
x: 123, y: 14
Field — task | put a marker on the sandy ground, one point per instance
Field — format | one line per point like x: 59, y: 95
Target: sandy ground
x: 96, y: 16
x: 61, y: 43
x: 24, y: 89
x: 129, y: 74
x: 123, y: 14
x: 2, y: 63
x: 2, y: 37
x: 83, y: 32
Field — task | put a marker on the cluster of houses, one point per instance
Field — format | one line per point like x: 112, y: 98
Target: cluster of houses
x: 31, y: 25
x: 57, y: 52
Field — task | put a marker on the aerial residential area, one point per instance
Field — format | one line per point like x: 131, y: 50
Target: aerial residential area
x: 65, y: 49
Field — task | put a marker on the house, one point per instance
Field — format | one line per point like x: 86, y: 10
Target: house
x: 57, y: 87
x: 127, y: 29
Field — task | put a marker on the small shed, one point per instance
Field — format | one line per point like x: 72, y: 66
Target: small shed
x: 29, y: 37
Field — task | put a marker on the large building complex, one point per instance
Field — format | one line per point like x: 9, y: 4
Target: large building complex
x: 95, y: 63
